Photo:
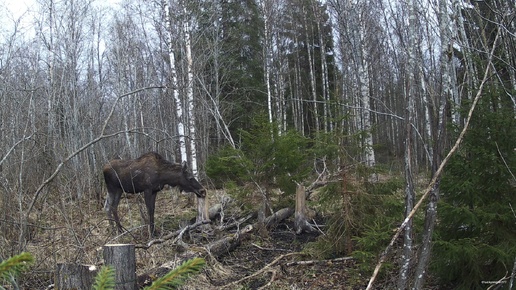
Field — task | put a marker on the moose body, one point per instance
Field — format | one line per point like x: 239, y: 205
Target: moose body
x: 148, y: 174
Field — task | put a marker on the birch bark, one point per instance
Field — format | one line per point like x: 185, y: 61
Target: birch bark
x: 311, y: 65
x: 409, y: 156
x: 267, y: 53
x: 431, y: 211
x: 174, y: 82
x: 190, y: 96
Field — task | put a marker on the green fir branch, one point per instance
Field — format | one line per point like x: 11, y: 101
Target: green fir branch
x: 178, y: 276
x: 13, y: 266
x: 105, y: 279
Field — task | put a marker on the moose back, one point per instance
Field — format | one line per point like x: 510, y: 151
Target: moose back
x: 148, y: 174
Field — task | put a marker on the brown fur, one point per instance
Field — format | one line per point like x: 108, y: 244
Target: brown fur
x: 148, y: 174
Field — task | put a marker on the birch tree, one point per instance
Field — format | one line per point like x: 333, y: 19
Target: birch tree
x: 406, y: 256
x: 437, y: 151
x: 174, y: 85
x: 354, y: 21
x: 192, y: 140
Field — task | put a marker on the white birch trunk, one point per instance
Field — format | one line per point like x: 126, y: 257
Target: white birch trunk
x: 267, y: 55
x: 174, y: 84
x: 363, y: 74
x: 409, y: 154
x: 311, y: 65
x: 190, y: 97
x: 448, y: 71
x: 324, y: 75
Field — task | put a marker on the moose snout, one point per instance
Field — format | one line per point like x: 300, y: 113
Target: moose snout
x: 202, y: 192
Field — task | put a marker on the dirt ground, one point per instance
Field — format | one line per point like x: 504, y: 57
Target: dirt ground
x: 254, y: 255
x: 260, y: 261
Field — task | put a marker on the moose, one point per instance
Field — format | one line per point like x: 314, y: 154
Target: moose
x: 148, y: 174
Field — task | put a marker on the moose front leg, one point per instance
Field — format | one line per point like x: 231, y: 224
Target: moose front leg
x: 150, y: 203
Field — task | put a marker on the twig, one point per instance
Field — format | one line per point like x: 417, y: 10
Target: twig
x: 178, y: 234
x: 273, y: 277
x: 268, y: 249
x: 511, y: 281
x: 311, y: 262
x: 14, y: 146
x: 262, y: 270
x: 238, y: 222
x: 437, y: 174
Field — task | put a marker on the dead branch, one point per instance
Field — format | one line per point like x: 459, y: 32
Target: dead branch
x: 268, y: 249
x: 214, y: 249
x: 278, y: 216
x: 262, y: 270
x: 178, y: 234
x: 228, y: 243
x: 238, y: 222
x: 311, y: 262
x: 438, y: 173
x: 273, y: 277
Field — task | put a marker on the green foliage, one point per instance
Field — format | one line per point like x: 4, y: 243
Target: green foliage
x: 474, y: 239
x: 14, y: 266
x: 105, y: 279
x: 228, y: 164
x: 178, y: 276
x: 266, y: 157
x: 369, y: 222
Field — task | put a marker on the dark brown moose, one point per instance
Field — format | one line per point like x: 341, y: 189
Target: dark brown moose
x: 148, y: 174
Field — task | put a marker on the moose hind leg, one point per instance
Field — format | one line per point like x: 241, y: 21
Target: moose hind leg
x: 111, y: 208
x: 150, y: 203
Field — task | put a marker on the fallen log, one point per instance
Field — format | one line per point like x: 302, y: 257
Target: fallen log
x: 214, y: 249
x: 312, y: 262
x: 278, y: 216
x: 178, y: 234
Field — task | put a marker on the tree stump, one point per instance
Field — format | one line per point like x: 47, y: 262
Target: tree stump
x: 301, y: 223
x: 202, y: 210
x: 123, y: 259
x: 74, y: 276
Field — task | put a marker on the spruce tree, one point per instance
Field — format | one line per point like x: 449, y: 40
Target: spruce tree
x: 475, y: 234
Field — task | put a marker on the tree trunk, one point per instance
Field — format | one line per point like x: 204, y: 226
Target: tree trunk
x: 73, y: 276
x: 406, y: 257
x: 190, y: 96
x: 311, y: 65
x: 202, y: 210
x: 174, y: 84
x: 426, y: 245
x: 267, y: 53
x: 301, y: 223
x: 122, y: 258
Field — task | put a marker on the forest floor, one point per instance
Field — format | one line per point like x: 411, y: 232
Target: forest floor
x: 273, y: 259
x: 291, y: 271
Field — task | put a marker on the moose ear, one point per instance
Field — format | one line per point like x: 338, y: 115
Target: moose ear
x: 185, y: 166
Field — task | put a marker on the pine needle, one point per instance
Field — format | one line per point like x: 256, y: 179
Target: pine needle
x: 105, y: 279
x: 15, y: 265
x: 178, y: 276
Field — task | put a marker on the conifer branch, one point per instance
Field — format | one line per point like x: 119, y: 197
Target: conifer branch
x: 105, y: 279
x: 15, y: 265
x: 178, y: 276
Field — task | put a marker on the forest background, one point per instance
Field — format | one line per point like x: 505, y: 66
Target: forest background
x: 274, y: 93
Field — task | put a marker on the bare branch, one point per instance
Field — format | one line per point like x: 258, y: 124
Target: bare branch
x: 438, y: 173
x: 101, y: 136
